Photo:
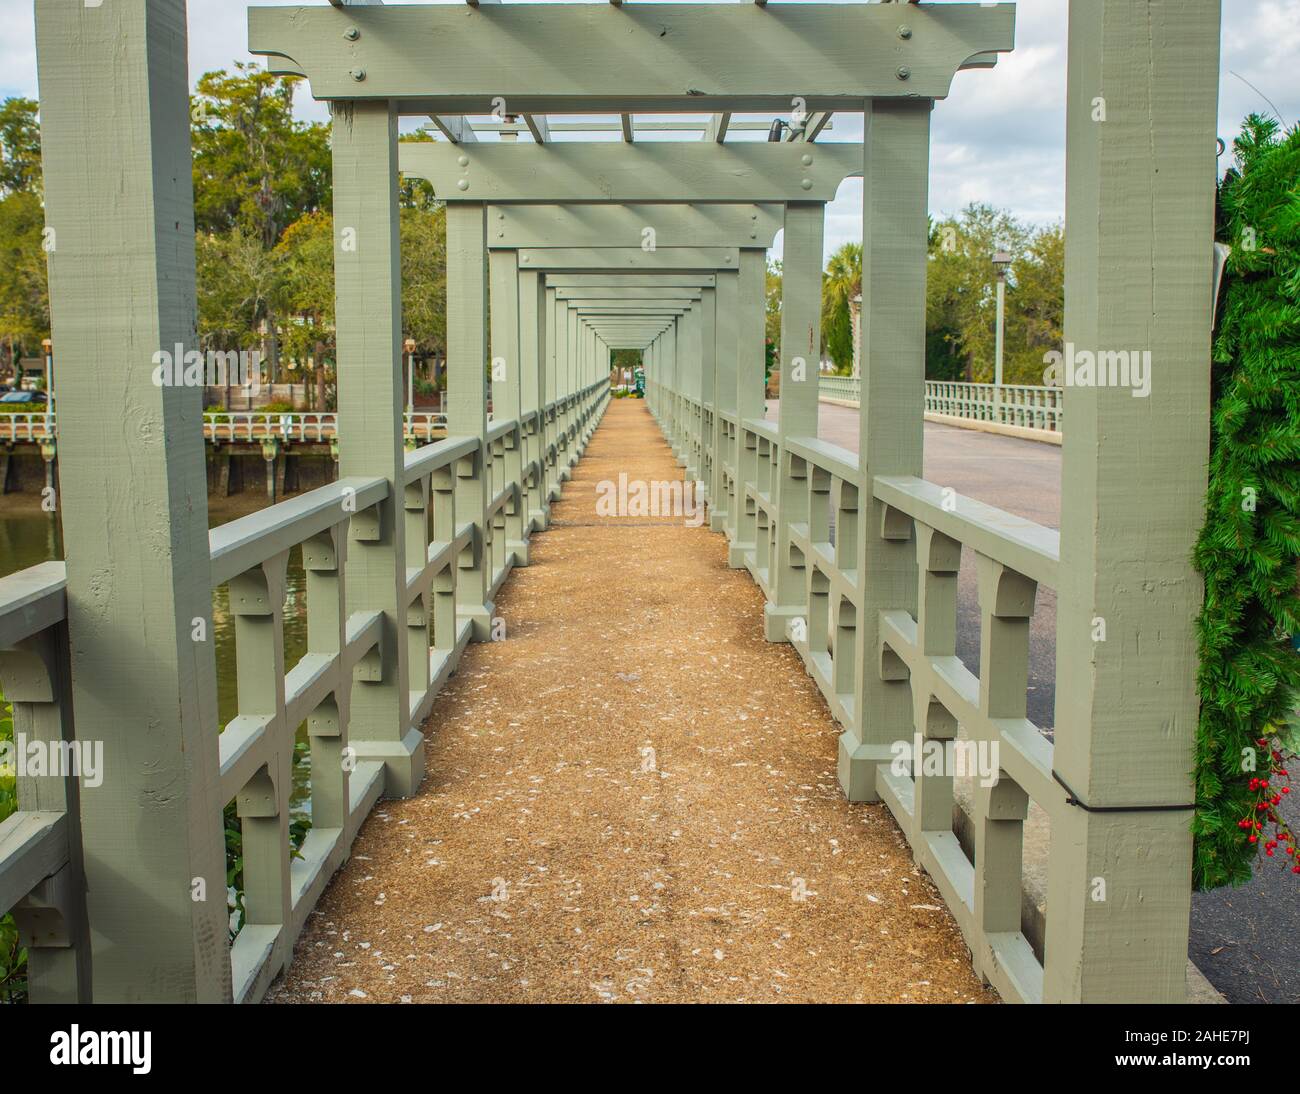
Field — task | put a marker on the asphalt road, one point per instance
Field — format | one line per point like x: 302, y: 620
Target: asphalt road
x: 1247, y: 940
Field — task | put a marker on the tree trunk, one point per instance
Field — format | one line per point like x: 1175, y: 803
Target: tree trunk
x: 855, y: 321
x: 320, y: 376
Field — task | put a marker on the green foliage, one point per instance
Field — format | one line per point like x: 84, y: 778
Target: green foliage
x: 20, y: 147
x: 24, y: 301
x: 961, y: 301
x: 238, y: 285
x: 256, y: 168
x: 1250, y: 544
x: 13, y: 955
x: 424, y: 277
x: 841, y: 285
x: 772, y: 317
x: 23, y: 408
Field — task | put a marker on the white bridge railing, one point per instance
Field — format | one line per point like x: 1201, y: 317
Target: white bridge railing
x: 237, y: 425
x: 1027, y: 406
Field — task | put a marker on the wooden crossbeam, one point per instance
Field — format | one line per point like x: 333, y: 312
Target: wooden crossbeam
x: 537, y: 127
x: 455, y: 128
x: 640, y: 58
x: 609, y: 173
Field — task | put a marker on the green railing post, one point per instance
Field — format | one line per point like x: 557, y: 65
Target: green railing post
x: 1142, y: 96
x: 751, y: 362
x: 119, y: 209
x: 726, y: 331
x: 507, y: 391
x: 894, y: 257
x: 801, y: 309
x: 532, y: 336
x: 467, y: 345
x: 368, y: 305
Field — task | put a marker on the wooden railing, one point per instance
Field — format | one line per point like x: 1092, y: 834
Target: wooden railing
x: 40, y: 871
x: 883, y: 653
x: 916, y: 651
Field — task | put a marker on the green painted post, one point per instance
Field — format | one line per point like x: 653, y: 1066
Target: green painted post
x: 368, y: 304
x: 726, y: 333
x: 467, y: 346
x: 532, y: 337
x: 1141, y: 111
x: 550, y: 392
x: 507, y: 390
x: 750, y: 392
x: 119, y: 211
x: 894, y: 256
x: 801, y: 324
x: 563, y: 334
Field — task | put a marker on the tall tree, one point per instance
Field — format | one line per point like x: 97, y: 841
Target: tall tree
x: 841, y: 288
x: 961, y: 280
x: 20, y: 147
x: 256, y: 168
x: 24, y: 298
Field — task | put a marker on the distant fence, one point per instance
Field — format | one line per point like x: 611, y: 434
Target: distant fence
x: 237, y: 425
x: 1024, y: 406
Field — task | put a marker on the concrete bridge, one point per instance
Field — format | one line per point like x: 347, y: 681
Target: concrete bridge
x: 675, y: 760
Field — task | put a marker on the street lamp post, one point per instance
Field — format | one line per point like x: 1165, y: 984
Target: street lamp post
x: 1001, y: 263
x: 48, y: 347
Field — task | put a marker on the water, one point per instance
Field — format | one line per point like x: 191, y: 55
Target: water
x: 29, y: 536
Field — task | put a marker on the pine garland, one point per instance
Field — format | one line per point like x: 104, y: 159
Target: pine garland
x: 1249, y: 548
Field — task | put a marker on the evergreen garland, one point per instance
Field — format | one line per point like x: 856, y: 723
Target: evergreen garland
x: 1248, y: 550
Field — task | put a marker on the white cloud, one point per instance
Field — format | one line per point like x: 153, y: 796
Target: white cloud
x: 999, y: 138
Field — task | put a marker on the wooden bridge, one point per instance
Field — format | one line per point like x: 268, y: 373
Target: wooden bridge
x: 583, y: 247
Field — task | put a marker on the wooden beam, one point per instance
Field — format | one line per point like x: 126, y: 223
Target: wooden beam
x: 455, y: 128
x: 537, y: 127
x: 558, y: 279
x: 431, y: 59
x: 628, y: 258
x: 816, y: 124
x: 608, y: 173
x: 512, y: 226
x: 625, y: 120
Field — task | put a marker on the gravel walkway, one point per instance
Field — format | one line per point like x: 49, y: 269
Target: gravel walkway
x: 630, y: 798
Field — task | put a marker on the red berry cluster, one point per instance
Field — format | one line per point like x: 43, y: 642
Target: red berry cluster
x: 1268, y: 796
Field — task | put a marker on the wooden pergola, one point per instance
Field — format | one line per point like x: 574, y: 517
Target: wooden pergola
x: 552, y: 231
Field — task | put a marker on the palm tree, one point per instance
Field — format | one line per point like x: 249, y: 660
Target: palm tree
x: 842, y: 303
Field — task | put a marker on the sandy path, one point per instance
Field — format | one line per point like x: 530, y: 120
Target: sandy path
x: 626, y: 799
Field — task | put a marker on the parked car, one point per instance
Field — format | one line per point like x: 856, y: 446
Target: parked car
x: 25, y: 397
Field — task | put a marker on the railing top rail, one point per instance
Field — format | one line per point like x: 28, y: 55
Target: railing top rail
x: 763, y: 427
x: 424, y: 460
x: 249, y: 541
x: 1028, y: 548
x: 31, y: 600
x: 840, y: 462
x: 501, y: 428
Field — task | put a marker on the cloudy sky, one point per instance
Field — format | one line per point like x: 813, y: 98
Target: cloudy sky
x: 1000, y: 137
